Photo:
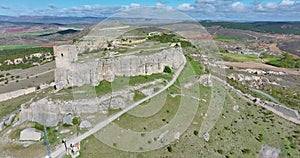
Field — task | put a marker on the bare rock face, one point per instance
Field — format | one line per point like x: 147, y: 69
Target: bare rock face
x: 31, y: 134
x: 50, y: 112
x: 269, y: 152
x: 9, y: 121
x: 69, y: 72
x: 85, y: 124
x: 68, y: 120
x: 42, y: 112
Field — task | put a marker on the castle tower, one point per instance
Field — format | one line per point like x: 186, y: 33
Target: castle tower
x: 65, y: 56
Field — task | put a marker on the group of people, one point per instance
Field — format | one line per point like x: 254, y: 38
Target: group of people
x: 73, y: 149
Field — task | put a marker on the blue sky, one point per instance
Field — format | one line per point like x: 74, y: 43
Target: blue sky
x: 278, y: 10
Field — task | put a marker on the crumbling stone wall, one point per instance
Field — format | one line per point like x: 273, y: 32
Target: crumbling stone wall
x: 69, y: 72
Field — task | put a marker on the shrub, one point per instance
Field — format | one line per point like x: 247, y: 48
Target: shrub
x: 196, y: 132
x: 167, y: 69
x: 169, y: 148
x: 75, y: 120
x: 246, y: 151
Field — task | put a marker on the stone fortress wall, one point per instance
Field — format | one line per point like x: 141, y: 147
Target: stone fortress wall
x: 70, y: 72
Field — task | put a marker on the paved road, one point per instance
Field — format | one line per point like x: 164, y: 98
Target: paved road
x: 61, y: 149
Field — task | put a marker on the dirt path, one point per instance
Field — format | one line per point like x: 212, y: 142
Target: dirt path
x: 253, y: 65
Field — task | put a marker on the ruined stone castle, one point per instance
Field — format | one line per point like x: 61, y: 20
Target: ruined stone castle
x: 72, y: 72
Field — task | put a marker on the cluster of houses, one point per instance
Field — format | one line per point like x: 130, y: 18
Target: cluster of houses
x: 47, y: 56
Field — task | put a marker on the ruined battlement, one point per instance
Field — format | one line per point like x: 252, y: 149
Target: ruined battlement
x: 65, y: 55
x: 70, y: 72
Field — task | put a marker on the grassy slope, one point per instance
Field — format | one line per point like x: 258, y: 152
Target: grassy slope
x: 236, y: 134
x: 225, y: 38
x: 240, y: 57
x: 248, y: 58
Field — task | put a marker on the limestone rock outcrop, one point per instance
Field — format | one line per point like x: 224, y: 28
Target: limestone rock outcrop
x: 31, y: 134
x: 68, y: 120
x: 85, y: 124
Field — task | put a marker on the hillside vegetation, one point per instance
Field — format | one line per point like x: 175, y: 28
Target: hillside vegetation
x: 287, y: 61
x: 269, y: 27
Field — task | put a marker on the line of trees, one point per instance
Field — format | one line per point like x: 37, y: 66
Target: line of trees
x: 287, y: 61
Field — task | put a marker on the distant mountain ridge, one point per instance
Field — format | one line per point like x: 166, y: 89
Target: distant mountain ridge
x: 261, y: 26
x: 50, y: 19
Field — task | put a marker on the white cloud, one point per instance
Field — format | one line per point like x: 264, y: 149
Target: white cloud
x: 185, y: 7
x: 159, y: 5
x: 238, y: 6
x: 260, y: 7
x: 86, y: 8
x: 204, y: 9
x: 287, y: 2
x: 134, y: 5
x: 206, y: 1
x: 271, y: 5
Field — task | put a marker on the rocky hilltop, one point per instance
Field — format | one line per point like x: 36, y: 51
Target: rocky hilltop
x: 71, y: 72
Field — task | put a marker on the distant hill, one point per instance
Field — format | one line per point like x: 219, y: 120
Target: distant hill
x: 268, y: 27
x: 49, y: 19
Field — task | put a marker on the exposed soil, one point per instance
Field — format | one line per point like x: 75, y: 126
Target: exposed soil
x: 253, y: 65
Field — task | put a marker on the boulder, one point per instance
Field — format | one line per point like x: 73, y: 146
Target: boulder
x: 42, y: 112
x: 68, y: 120
x: 85, y: 124
x: 206, y: 136
x: 10, y: 119
x: 268, y: 152
x: 31, y: 134
x: 64, y: 131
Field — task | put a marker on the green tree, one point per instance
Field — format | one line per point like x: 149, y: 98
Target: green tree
x: 167, y: 69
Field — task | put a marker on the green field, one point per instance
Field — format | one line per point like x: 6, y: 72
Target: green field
x: 287, y: 61
x: 249, y: 58
x: 11, y: 47
x: 224, y: 38
x: 240, y: 57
